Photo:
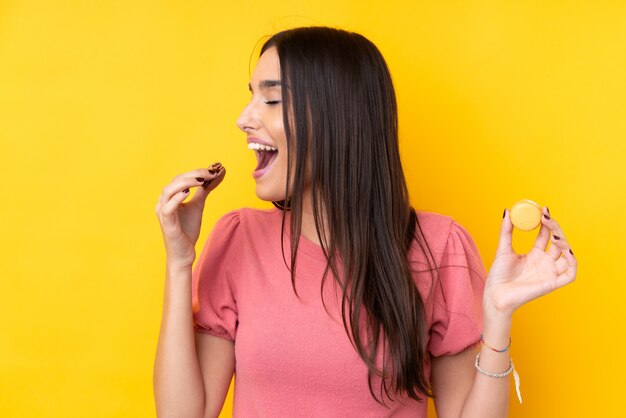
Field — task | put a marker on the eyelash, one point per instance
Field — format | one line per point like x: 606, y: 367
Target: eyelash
x: 272, y: 102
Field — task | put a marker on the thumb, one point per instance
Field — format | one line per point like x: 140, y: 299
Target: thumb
x: 505, y: 245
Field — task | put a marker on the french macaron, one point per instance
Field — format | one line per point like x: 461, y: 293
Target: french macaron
x: 526, y: 215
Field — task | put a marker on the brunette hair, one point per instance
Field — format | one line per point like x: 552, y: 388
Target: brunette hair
x: 340, y: 114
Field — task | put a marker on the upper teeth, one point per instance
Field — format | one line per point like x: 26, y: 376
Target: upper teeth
x: 261, y: 147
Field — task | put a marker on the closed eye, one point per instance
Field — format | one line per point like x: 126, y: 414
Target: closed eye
x: 272, y: 102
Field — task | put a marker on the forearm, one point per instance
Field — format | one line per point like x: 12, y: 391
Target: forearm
x: 178, y: 385
x: 489, y: 396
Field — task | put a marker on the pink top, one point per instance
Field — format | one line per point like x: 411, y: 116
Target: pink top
x: 292, y: 358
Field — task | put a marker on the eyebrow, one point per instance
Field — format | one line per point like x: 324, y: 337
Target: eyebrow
x: 266, y: 84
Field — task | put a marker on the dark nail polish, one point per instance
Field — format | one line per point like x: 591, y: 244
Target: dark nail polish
x: 186, y: 191
x: 504, y: 213
x: 546, y: 216
x: 199, y: 179
x: 206, y: 183
x: 216, y: 165
x: 548, y: 210
x: 571, y: 252
x: 214, y: 171
x: 556, y: 237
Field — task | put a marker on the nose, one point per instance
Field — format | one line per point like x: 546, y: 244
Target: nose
x: 246, y: 121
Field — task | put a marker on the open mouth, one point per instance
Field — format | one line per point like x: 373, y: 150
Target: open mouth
x: 265, y: 156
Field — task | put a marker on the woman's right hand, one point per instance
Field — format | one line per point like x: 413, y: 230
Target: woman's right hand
x: 180, y: 222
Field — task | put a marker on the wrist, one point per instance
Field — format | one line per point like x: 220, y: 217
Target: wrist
x: 497, y: 323
x: 497, y: 329
x: 177, y: 267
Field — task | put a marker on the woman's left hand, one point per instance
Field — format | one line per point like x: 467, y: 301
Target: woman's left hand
x: 515, y: 279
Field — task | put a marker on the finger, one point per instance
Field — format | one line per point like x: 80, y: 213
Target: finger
x: 552, y: 225
x: 566, y: 277
x: 558, y: 246
x: 554, y: 251
x: 168, y: 211
x: 561, y: 265
x: 569, y: 275
x: 506, y: 234
x: 184, y: 182
x: 541, y: 243
x: 207, y: 187
x: 571, y: 258
x: 172, y: 189
x: 557, y: 236
x: 200, y: 172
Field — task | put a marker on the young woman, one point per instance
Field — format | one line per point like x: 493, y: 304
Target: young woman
x: 342, y: 300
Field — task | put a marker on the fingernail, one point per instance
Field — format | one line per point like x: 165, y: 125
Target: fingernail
x: 216, y: 165
x: 571, y: 252
x: 546, y: 216
x: 199, y: 179
x: 556, y: 237
x: 504, y: 213
x: 548, y: 210
x: 186, y: 191
x: 206, y: 183
x: 214, y: 171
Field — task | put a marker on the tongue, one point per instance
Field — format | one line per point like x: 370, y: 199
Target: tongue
x: 265, y: 157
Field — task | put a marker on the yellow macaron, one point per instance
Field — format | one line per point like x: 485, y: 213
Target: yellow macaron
x: 526, y: 215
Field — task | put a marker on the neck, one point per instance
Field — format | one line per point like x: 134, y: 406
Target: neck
x: 308, y: 220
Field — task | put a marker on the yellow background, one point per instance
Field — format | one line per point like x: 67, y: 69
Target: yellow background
x: 103, y: 103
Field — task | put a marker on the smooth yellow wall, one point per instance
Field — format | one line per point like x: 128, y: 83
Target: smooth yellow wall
x: 103, y: 103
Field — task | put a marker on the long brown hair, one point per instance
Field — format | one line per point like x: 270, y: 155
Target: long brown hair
x: 341, y: 103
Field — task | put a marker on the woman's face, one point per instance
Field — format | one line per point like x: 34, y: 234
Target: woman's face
x: 262, y: 121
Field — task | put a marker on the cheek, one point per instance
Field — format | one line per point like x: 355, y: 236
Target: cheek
x: 277, y: 130
x: 279, y: 177
x: 281, y: 165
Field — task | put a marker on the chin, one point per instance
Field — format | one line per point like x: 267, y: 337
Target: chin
x: 269, y: 194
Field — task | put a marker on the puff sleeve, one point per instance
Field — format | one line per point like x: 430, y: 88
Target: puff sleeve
x: 457, y: 309
x: 213, y: 295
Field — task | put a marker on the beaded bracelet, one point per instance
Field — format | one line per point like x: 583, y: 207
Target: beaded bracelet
x: 501, y: 375
x: 495, y: 349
